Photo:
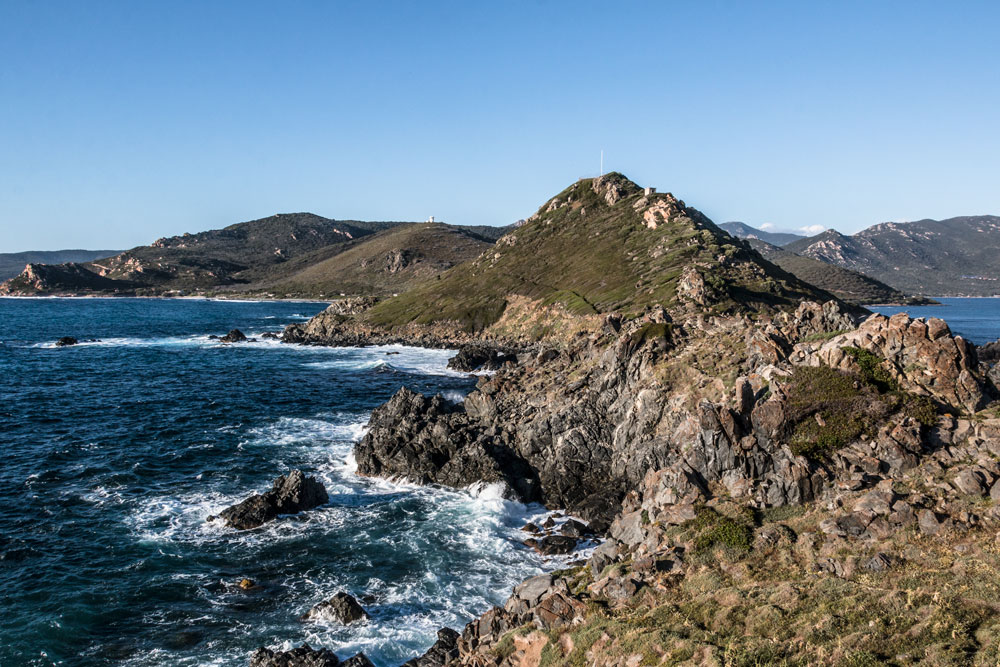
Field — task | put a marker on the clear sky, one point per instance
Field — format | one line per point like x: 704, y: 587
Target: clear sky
x: 121, y: 122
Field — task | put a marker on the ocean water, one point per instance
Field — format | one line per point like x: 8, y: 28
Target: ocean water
x: 116, y: 451
x: 976, y: 320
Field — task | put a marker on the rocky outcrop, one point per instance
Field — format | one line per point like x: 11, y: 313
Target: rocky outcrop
x: 341, y: 608
x: 290, y: 494
x: 480, y: 357
x: 443, y: 652
x: 920, y: 355
x: 989, y: 352
x: 351, y: 305
x: 66, y: 341
x: 305, y: 656
x: 234, y: 336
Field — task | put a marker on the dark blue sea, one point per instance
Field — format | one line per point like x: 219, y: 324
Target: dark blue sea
x: 115, y: 452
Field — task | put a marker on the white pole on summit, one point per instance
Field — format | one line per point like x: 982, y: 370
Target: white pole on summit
x: 602, y: 162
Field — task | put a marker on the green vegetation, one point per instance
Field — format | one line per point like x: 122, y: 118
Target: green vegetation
x: 712, y: 529
x: 829, y: 408
x: 873, y: 371
x: 593, y: 257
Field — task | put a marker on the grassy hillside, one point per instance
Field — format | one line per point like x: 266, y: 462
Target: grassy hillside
x: 384, y: 263
x: 845, y: 284
x: 600, y: 245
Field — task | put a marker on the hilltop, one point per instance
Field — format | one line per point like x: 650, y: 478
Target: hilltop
x: 286, y: 254
x: 741, y: 230
x: 845, y: 284
x: 954, y: 257
x: 600, y: 246
x: 777, y: 478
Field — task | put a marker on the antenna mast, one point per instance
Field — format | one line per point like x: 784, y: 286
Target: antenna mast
x: 602, y: 162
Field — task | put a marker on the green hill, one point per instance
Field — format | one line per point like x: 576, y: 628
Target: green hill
x: 845, y: 284
x: 384, y: 263
x: 602, y: 245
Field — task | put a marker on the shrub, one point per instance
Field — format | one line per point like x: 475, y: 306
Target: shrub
x: 713, y: 529
x: 872, y: 370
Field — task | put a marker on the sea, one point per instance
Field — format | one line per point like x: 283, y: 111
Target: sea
x: 116, y: 450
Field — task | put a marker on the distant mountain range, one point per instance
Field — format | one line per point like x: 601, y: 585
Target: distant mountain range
x: 843, y: 283
x: 741, y: 230
x: 953, y: 257
x: 12, y: 263
x: 287, y: 255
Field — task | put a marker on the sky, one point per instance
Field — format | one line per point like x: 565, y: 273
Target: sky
x: 123, y: 122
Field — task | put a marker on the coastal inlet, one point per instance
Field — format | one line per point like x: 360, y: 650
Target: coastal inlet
x: 118, y: 448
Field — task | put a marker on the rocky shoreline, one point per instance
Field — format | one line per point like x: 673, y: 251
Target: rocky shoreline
x: 631, y: 428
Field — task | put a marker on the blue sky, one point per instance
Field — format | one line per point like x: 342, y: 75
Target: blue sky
x: 124, y: 122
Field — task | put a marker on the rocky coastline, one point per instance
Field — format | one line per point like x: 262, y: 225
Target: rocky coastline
x: 658, y: 430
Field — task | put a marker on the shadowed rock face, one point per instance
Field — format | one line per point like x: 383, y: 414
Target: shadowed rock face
x: 305, y: 656
x: 290, y: 494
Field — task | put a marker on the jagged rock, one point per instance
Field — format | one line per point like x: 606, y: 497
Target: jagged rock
x: 443, y: 652
x: 303, y: 656
x: 270, y: 335
x: 351, y: 305
x: 478, y: 357
x: 531, y: 528
x: 607, y: 553
x: 574, y: 528
x: 554, y: 545
x: 921, y: 355
x: 973, y: 481
x: 989, y: 352
x: 342, y: 608
x: 234, y: 336
x: 357, y: 660
x: 290, y: 494
x: 66, y: 341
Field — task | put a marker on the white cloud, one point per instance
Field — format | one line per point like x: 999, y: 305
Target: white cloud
x: 766, y: 226
x: 812, y: 229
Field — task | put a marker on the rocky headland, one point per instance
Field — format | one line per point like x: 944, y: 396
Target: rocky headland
x: 779, y: 478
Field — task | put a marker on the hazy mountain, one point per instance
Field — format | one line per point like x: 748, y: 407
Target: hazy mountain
x: 744, y: 231
x: 845, y: 284
x: 957, y: 256
x: 12, y: 263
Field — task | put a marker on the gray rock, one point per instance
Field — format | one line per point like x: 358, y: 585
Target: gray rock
x: 342, y: 608
x: 303, y: 656
x: 289, y: 495
x: 234, y: 336
x: 443, y: 652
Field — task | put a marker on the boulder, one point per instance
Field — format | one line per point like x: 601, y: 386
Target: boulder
x: 357, y: 660
x: 342, y: 608
x: 574, y: 528
x: 303, y: 656
x: 554, y: 545
x: 291, y: 494
x: 990, y: 352
x: 443, y: 652
x: 234, y: 336
x: 66, y: 341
